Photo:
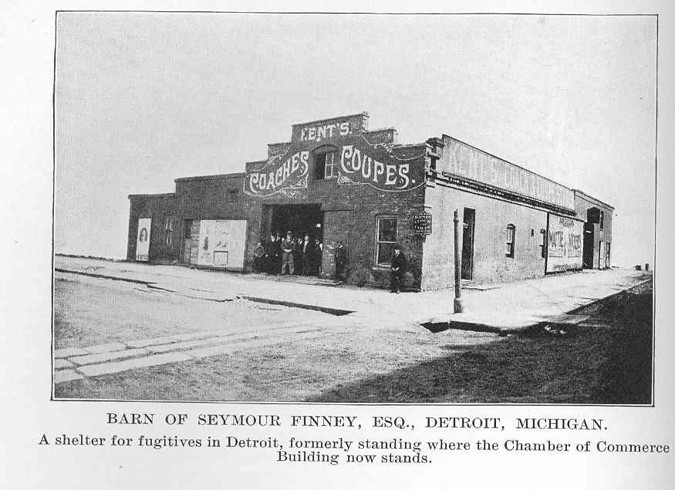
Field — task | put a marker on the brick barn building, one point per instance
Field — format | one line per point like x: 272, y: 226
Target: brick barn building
x: 337, y: 181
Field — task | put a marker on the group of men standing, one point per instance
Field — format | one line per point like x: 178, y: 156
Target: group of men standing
x: 303, y: 256
x: 288, y: 255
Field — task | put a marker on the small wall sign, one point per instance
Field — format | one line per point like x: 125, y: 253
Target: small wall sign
x: 422, y: 224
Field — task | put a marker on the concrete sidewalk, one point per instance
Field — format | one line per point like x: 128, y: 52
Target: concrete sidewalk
x: 504, y: 307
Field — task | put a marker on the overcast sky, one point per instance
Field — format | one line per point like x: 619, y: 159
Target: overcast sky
x: 142, y: 99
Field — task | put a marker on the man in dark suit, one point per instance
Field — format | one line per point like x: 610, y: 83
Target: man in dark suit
x: 398, y: 265
x: 340, y: 260
x: 273, y: 252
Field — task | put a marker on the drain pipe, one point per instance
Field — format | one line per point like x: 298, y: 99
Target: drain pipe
x: 459, y: 305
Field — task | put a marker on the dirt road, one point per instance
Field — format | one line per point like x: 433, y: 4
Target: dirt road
x: 120, y: 341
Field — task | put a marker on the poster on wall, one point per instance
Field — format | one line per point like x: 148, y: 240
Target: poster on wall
x: 143, y: 240
x: 565, y: 244
x: 222, y: 243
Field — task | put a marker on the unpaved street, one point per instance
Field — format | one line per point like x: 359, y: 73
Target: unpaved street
x: 129, y: 341
x: 138, y: 332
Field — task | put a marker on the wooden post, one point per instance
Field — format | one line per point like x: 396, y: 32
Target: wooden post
x: 458, y: 304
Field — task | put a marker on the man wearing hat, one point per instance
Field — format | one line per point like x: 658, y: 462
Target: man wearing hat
x: 287, y: 249
x: 398, y: 264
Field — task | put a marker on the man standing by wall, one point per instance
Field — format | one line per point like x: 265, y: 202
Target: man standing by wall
x: 287, y: 249
x: 273, y: 252
x: 260, y: 257
x: 340, y: 261
x: 398, y: 264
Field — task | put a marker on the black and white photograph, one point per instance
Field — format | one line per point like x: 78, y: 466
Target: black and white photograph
x: 347, y: 245
x: 354, y: 208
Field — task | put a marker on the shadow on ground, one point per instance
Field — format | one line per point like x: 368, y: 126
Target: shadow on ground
x: 606, y: 360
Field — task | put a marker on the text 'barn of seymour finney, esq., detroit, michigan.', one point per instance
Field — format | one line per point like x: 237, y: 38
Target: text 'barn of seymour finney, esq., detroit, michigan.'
x: 338, y: 181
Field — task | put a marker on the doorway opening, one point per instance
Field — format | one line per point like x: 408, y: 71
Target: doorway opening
x: 302, y: 220
x: 467, y: 243
x: 187, y: 245
x: 592, y: 217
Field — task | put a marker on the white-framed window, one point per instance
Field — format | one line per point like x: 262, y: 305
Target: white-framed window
x: 510, y: 240
x: 325, y: 163
x: 168, y: 231
x: 330, y: 171
x: 387, y: 235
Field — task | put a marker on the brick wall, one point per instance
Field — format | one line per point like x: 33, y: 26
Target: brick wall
x: 211, y: 197
x: 350, y: 211
x: 492, y: 216
x: 350, y: 215
x: 157, y: 207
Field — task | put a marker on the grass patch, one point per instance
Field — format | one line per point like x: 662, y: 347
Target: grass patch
x: 605, y: 361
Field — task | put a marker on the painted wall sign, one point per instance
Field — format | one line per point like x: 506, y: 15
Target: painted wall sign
x: 565, y: 244
x: 222, y: 243
x: 281, y: 173
x: 469, y: 162
x: 358, y: 167
x: 326, y: 129
x: 143, y: 240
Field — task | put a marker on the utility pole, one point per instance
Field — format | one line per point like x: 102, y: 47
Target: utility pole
x: 459, y: 306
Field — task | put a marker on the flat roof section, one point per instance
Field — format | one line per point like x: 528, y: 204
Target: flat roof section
x: 234, y: 175
x: 140, y: 196
x: 591, y: 198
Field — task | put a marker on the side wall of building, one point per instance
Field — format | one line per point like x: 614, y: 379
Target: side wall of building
x: 214, y: 197
x: 439, y: 255
x: 491, y: 263
x: 600, y: 225
x: 159, y: 208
